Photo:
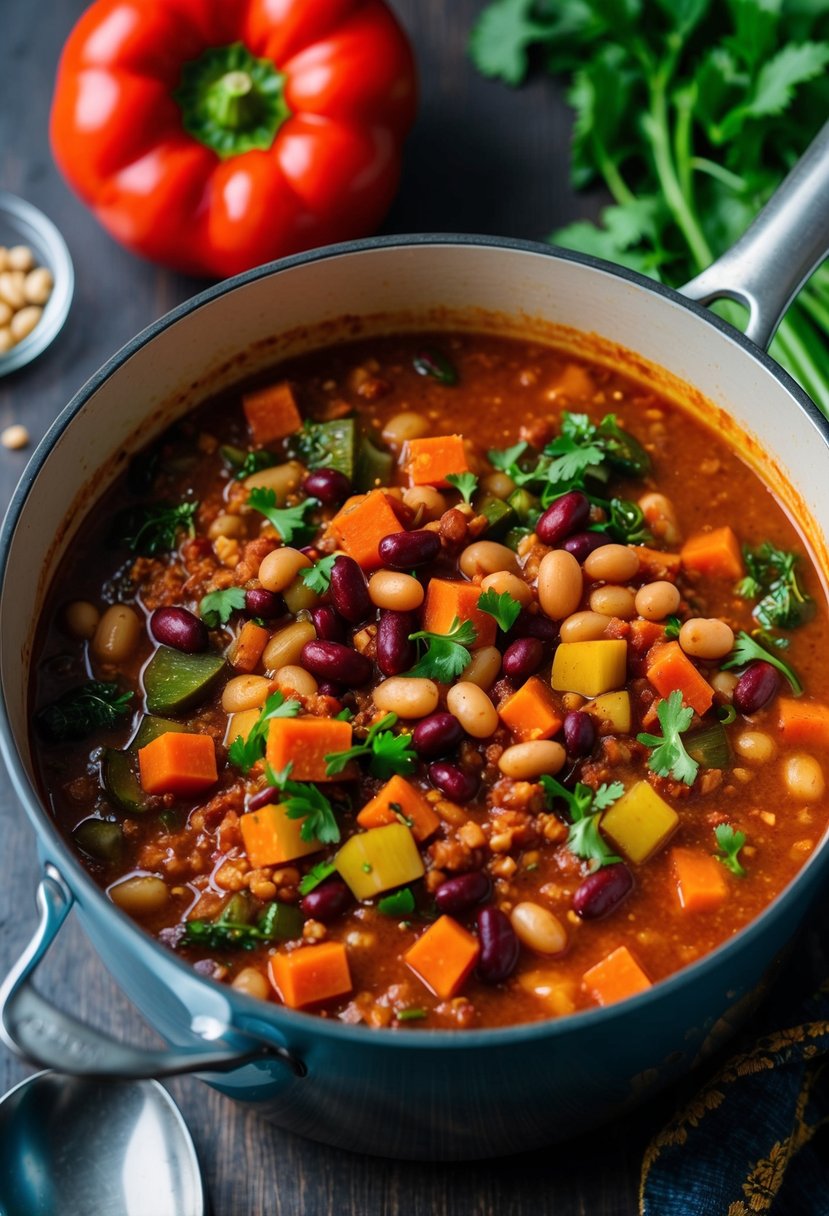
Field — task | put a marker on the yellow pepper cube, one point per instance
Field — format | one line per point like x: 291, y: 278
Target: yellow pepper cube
x: 271, y: 838
x: 375, y: 861
x: 613, y: 709
x: 640, y: 822
x: 590, y: 668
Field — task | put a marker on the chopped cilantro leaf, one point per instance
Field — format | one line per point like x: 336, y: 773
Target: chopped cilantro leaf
x: 465, y: 483
x: 584, y: 805
x: 501, y: 607
x: 244, y: 753
x: 290, y: 522
x: 669, y: 757
x: 411, y: 1014
x: 672, y: 627
x: 399, y: 903
x: 155, y: 529
x: 92, y: 706
x: 217, y: 607
x: 387, y: 752
x: 318, y: 576
x: 729, y: 843
x: 447, y: 654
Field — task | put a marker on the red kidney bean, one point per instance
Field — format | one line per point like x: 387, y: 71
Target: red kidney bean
x: 180, y: 629
x: 532, y: 625
x: 263, y: 798
x: 436, y: 735
x: 579, y: 733
x: 264, y: 604
x: 404, y: 550
x: 330, y: 486
x: 327, y: 901
x: 602, y: 892
x: 395, y: 653
x: 756, y: 687
x: 452, y: 781
x: 583, y: 543
x: 328, y: 624
x: 463, y: 891
x: 333, y: 661
x: 565, y: 516
x: 499, y: 946
x: 522, y: 657
x: 327, y: 688
x: 349, y: 590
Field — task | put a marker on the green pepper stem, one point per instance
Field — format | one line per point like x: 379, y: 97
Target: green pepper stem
x: 232, y: 101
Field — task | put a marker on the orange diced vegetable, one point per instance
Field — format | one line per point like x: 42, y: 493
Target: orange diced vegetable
x: 399, y: 798
x: 615, y: 978
x: 700, y: 880
x: 311, y: 974
x: 574, y: 381
x: 643, y: 635
x: 656, y: 562
x: 271, y: 838
x: 531, y: 713
x: 803, y: 722
x: 247, y: 649
x: 447, y: 600
x: 361, y: 525
x: 178, y: 763
x: 670, y: 670
x: 272, y: 412
x: 306, y: 742
x: 443, y: 957
x: 716, y: 552
x: 429, y: 461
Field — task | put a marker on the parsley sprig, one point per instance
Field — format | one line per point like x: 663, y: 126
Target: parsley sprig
x: 290, y: 522
x: 729, y: 843
x: 245, y: 752
x: 501, y: 607
x: 217, y: 607
x: 761, y: 646
x: 669, y: 757
x: 387, y: 752
x: 95, y: 705
x: 318, y: 576
x: 447, y: 654
x: 585, y: 805
x: 465, y: 483
x: 305, y: 801
x: 156, y: 529
x: 773, y: 581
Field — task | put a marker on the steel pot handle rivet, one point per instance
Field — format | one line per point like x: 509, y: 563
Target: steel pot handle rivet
x: 31, y: 1026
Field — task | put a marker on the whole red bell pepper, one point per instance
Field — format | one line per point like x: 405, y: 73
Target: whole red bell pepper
x: 214, y: 135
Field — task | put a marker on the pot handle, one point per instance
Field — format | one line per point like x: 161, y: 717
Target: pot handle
x: 31, y: 1026
x: 767, y: 266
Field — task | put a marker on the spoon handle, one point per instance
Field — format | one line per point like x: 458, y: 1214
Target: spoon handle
x: 31, y: 1026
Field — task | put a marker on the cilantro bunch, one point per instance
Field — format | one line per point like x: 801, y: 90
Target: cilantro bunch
x: 773, y: 581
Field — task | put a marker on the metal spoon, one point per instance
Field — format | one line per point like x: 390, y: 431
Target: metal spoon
x: 112, y: 1148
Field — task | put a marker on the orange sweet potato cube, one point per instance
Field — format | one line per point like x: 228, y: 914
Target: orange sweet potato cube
x: 429, y: 461
x: 448, y: 600
x: 311, y: 974
x: 615, y: 978
x: 398, y: 801
x: 361, y: 525
x: 700, y: 880
x: 530, y: 713
x: 178, y: 763
x: 271, y: 838
x: 715, y: 553
x: 305, y: 742
x: 443, y: 957
x: 271, y: 412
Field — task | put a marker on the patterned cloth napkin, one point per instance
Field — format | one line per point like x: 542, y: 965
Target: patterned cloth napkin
x: 750, y: 1140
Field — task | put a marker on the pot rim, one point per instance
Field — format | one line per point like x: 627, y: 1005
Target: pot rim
x: 295, y: 1020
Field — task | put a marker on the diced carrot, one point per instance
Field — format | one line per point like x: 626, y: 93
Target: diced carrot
x: 247, y: 649
x: 399, y: 799
x: 803, y: 722
x: 615, y: 978
x: 272, y: 412
x: 178, y: 763
x: 656, y: 562
x: 271, y: 838
x: 700, y: 880
x: 306, y: 742
x: 531, y: 713
x: 447, y: 600
x: 443, y: 957
x: 311, y: 974
x: 429, y: 461
x: 716, y: 552
x: 361, y: 525
x: 643, y: 635
x: 670, y: 669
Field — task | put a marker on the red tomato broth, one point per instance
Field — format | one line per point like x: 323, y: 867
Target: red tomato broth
x: 498, y: 379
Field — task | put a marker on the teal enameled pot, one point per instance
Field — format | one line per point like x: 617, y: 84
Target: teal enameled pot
x: 412, y: 1092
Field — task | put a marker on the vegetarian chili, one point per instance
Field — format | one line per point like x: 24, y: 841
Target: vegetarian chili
x: 441, y: 680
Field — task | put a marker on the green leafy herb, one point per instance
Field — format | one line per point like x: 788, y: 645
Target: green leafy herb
x: 245, y: 464
x: 345, y: 715
x: 434, y: 363
x: 316, y: 875
x: 277, y: 922
x: 305, y: 801
x: 501, y: 607
x: 318, y: 576
x: 387, y: 752
x: 156, y: 529
x: 727, y: 714
x: 217, y: 607
x: 447, y: 654
x: 672, y: 627
x: 465, y: 483
x: 399, y: 903
x: 690, y: 114
x: 507, y: 459
x: 244, y: 753
x: 669, y: 757
x: 760, y: 647
x: 290, y: 522
x: 585, y: 806
x: 772, y: 580
x: 729, y: 843
x: 412, y: 1014
x: 93, y: 706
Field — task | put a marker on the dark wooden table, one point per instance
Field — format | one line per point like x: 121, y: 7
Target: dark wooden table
x: 481, y: 159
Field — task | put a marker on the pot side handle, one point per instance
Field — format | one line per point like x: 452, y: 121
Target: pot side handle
x: 767, y: 266
x: 31, y: 1026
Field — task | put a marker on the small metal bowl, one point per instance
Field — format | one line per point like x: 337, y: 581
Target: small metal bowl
x: 22, y: 224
